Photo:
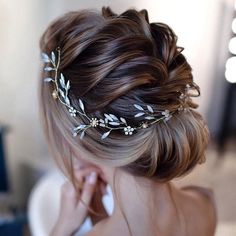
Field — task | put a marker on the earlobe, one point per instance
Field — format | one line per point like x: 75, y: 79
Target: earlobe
x: 79, y: 162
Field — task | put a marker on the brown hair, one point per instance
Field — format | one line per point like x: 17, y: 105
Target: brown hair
x: 112, y: 62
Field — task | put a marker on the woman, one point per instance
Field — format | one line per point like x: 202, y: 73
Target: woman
x: 117, y: 109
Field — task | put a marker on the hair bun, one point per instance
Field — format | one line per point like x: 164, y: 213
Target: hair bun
x: 112, y: 62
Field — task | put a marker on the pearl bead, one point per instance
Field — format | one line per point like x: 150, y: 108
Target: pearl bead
x: 54, y: 94
x: 144, y: 125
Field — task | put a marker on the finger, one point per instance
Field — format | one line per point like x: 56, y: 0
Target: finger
x: 80, y: 174
x: 69, y: 198
x: 88, y: 190
x: 68, y: 190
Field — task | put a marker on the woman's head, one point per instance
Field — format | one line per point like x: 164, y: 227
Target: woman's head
x: 112, y: 62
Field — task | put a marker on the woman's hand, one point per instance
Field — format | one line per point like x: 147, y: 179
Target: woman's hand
x: 100, y: 190
x: 73, y: 210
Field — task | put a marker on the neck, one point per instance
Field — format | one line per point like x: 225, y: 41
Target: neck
x: 143, y: 202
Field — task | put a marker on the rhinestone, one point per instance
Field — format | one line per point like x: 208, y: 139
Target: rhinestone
x: 94, y: 122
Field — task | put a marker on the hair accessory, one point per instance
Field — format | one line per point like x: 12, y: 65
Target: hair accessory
x: 110, y: 121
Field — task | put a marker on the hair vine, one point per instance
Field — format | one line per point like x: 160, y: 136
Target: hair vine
x: 110, y: 122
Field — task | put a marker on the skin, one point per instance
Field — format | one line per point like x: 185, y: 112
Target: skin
x: 151, y: 208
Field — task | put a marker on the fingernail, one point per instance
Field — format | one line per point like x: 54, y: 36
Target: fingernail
x: 92, y: 178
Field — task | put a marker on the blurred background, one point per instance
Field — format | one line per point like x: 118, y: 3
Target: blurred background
x: 207, y: 31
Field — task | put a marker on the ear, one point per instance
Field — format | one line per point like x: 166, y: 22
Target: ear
x: 79, y: 163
